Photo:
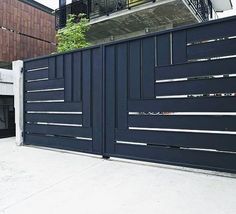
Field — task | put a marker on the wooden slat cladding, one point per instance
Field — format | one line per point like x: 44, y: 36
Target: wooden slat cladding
x: 29, y: 32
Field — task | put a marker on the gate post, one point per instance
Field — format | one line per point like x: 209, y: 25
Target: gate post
x: 18, y: 100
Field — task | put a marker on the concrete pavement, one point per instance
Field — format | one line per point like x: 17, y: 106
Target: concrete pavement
x: 34, y: 180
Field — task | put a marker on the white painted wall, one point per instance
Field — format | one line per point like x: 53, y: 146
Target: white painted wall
x: 220, y: 5
x: 11, y: 84
x: 6, y: 88
x: 18, y: 100
x: 6, y: 82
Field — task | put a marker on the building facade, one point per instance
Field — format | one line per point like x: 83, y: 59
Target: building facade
x: 27, y: 29
x: 119, y: 19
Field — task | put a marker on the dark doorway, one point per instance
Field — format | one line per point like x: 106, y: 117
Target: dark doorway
x: 7, y: 116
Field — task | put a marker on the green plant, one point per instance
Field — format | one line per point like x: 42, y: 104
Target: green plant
x: 73, y: 36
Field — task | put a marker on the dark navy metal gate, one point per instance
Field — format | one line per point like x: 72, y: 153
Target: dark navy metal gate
x: 168, y: 97
x: 63, y: 101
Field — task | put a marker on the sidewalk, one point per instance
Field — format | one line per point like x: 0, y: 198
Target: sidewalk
x: 40, y: 181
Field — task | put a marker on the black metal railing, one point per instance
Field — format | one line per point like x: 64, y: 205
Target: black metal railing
x: 202, y: 8
x: 94, y: 8
x: 107, y: 7
x: 75, y: 8
x: 97, y: 8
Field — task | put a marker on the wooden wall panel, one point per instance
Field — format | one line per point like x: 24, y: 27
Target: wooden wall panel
x: 25, y: 31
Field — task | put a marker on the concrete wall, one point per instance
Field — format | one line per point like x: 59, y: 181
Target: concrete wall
x: 6, y: 97
x: 11, y: 86
x: 18, y: 99
x: 6, y: 82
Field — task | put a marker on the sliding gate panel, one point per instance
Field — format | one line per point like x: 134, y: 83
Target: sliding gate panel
x: 63, y: 101
x: 171, y: 97
x: 168, y: 97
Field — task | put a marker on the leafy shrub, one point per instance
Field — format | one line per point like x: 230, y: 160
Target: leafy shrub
x: 73, y: 36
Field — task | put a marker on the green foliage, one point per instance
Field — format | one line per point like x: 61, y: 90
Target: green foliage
x: 73, y: 36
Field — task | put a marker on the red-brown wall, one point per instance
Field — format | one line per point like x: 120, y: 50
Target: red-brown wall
x: 37, y: 27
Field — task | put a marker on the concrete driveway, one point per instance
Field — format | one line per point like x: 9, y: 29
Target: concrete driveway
x: 34, y: 180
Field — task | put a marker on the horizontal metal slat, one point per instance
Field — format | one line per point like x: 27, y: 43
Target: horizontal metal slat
x: 57, y: 107
x: 194, y: 69
x: 196, y: 122
x: 201, y: 86
x: 46, y: 95
x: 221, y: 142
x: 212, y: 31
x: 54, y: 118
x: 212, y: 49
x: 59, y: 142
x: 43, y: 85
x: 35, y: 75
x: 59, y: 130
x: 36, y: 64
x: 200, y: 159
x: 201, y: 104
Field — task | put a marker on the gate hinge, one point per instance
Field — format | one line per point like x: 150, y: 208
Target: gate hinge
x: 22, y: 70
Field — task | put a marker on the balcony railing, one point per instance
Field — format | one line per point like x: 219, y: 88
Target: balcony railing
x: 97, y: 8
x: 202, y: 8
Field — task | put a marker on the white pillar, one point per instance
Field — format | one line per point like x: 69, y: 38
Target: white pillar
x: 18, y: 100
